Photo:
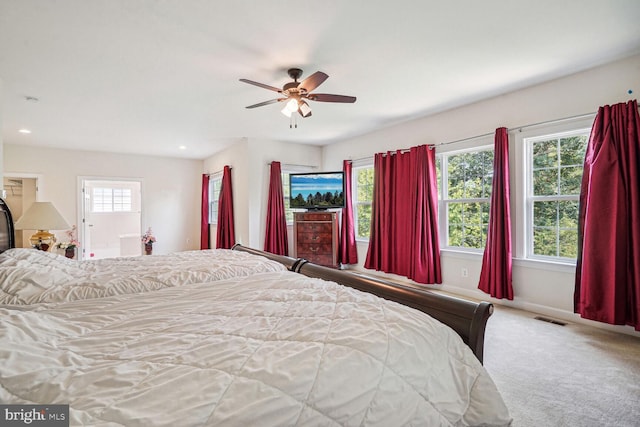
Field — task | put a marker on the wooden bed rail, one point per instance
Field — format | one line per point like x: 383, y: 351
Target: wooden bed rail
x: 467, y: 318
x: 290, y: 263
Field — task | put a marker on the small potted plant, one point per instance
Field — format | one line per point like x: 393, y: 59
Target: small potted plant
x: 70, y: 245
x: 148, y: 239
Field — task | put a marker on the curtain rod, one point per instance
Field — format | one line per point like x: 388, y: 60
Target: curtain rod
x: 512, y: 129
x: 519, y: 128
x: 218, y: 172
x: 294, y: 165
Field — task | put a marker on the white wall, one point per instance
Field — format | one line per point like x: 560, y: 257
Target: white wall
x: 170, y: 189
x: 541, y: 287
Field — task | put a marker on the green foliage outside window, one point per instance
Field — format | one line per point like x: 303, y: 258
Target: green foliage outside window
x: 556, y: 177
x: 469, y: 180
x: 362, y: 202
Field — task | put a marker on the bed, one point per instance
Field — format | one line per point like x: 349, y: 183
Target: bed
x: 274, y: 341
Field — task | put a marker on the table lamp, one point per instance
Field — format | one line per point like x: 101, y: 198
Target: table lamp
x: 42, y: 216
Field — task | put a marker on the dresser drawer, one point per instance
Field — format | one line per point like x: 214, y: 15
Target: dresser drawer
x: 315, y: 249
x: 314, y: 216
x: 315, y: 234
x: 315, y: 227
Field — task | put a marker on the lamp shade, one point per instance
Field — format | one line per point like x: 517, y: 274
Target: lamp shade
x: 42, y: 216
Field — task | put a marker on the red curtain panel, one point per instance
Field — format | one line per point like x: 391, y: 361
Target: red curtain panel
x: 275, y: 236
x: 404, y: 230
x: 496, y: 275
x: 204, y: 214
x: 607, y: 286
x: 225, y: 236
x: 348, y: 249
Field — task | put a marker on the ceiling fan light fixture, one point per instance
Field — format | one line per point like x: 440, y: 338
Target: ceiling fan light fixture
x: 305, y: 110
x: 292, y: 105
x: 286, y: 111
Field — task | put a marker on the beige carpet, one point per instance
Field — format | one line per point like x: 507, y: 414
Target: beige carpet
x: 573, y: 375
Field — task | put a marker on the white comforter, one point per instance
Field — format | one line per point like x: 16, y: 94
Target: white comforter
x: 274, y: 349
x: 29, y: 276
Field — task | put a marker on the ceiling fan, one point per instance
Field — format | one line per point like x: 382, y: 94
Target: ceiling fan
x: 296, y: 93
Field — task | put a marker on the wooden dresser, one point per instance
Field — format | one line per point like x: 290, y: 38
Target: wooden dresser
x: 316, y: 237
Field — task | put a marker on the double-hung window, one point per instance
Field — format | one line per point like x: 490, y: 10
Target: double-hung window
x: 215, y: 184
x: 362, y: 177
x: 466, y: 196
x: 555, y: 165
x: 286, y: 192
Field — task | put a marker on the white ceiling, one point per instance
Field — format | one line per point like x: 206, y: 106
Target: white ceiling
x: 146, y: 76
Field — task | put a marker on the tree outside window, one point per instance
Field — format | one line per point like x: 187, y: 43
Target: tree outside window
x: 363, y: 195
x: 556, y: 164
x: 467, y: 179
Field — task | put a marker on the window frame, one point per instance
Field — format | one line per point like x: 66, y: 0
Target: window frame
x: 356, y: 203
x: 117, y: 203
x: 529, y: 199
x: 444, y: 201
x: 215, y: 180
x: 285, y: 171
x: 286, y: 191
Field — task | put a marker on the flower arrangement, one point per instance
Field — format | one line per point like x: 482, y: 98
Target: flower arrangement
x: 148, y: 237
x: 72, y: 241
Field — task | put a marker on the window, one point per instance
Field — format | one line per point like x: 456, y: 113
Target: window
x: 466, y: 195
x: 215, y: 183
x: 553, y: 190
x: 111, y: 199
x: 363, y: 191
x: 286, y: 191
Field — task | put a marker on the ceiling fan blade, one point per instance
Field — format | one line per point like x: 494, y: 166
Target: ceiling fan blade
x: 313, y: 81
x: 271, y: 101
x: 262, y: 85
x: 327, y: 97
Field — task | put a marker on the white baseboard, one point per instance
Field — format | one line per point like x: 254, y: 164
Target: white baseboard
x: 539, y: 309
x: 477, y: 295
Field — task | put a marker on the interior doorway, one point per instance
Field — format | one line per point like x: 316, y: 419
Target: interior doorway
x: 111, y: 218
x: 20, y: 191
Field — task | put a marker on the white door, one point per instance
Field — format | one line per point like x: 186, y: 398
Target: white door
x: 111, y: 212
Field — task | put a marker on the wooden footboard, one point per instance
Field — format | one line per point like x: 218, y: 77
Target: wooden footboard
x: 467, y: 318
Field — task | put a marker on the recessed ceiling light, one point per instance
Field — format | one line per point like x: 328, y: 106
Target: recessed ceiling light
x: 24, y: 131
x: 183, y: 147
